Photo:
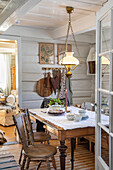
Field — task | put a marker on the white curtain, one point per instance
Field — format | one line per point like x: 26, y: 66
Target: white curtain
x: 8, y: 73
x: 2, y: 72
x: 5, y: 73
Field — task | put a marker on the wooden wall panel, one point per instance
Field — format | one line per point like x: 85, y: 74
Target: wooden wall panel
x: 30, y: 58
x: 31, y: 104
x: 32, y: 72
x: 32, y: 96
x: 29, y: 86
x: 79, y: 100
x: 32, y: 77
x: 81, y: 85
x: 31, y: 68
x: 29, y: 48
x: 77, y: 93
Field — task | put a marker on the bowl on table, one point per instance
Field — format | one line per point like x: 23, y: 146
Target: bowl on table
x: 56, y: 110
x: 70, y: 116
x: 78, y: 118
x: 82, y: 112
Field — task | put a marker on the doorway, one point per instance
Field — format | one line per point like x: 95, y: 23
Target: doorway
x: 10, y: 47
x: 8, y: 60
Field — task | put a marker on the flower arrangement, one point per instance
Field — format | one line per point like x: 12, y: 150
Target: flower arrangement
x: 56, y: 102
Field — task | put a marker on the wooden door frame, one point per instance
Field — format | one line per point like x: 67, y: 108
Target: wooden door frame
x: 19, y: 58
x: 99, y: 163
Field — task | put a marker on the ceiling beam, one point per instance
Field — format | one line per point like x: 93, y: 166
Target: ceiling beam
x: 14, y: 11
x: 83, y: 24
x: 89, y: 3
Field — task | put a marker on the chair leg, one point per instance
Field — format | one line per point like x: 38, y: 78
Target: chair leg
x: 28, y: 161
x: 54, y: 163
x: 20, y: 157
x: 48, y: 142
x: 48, y: 163
x: 23, y: 163
x: 39, y: 165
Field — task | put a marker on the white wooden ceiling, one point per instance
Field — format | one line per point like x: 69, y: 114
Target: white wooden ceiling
x: 3, y: 4
x: 51, y: 14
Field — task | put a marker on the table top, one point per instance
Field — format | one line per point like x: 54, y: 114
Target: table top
x: 62, y: 121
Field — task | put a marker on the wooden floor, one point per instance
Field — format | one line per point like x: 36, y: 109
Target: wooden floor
x: 84, y: 159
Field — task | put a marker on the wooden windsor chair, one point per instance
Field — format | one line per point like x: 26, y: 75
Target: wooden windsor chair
x: 32, y: 152
x: 34, y: 136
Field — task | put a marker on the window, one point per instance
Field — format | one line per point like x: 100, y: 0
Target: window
x: 2, y: 72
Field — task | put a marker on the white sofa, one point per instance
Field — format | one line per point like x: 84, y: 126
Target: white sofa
x: 6, y: 113
x: 7, y: 110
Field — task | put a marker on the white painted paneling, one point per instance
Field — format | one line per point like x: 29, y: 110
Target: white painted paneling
x: 82, y: 68
x: 28, y: 32
x: 80, y: 100
x: 32, y: 72
x: 32, y: 76
x: 81, y: 76
x: 30, y: 59
x: 29, y: 86
x: 83, y: 53
x: 32, y: 104
x: 31, y: 68
x: 81, y: 93
x: 82, y: 85
x: 29, y: 49
x: 31, y: 96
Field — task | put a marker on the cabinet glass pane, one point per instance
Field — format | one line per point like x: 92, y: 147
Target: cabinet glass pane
x: 105, y: 70
x: 105, y: 101
x: 105, y: 33
x: 105, y: 146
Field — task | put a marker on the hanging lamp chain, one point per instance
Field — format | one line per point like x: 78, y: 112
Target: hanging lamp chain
x: 70, y: 27
x: 69, y: 24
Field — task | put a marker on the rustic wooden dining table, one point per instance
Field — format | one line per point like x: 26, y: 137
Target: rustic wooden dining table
x: 64, y: 129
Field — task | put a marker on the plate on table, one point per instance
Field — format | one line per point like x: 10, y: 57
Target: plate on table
x: 85, y: 117
x: 55, y: 113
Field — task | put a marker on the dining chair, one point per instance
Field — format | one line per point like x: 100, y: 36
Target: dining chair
x: 34, y: 136
x: 32, y: 152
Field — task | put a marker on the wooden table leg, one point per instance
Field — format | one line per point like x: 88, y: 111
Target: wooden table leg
x: 62, y: 148
x: 73, y: 142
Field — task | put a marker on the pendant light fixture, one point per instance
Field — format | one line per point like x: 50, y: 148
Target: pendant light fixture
x: 69, y: 60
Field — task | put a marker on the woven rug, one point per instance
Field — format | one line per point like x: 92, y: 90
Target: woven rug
x: 7, y: 162
x: 11, y: 143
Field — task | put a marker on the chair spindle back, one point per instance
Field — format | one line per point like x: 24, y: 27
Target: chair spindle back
x: 19, y: 122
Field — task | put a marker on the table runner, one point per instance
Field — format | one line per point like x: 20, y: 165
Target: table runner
x: 62, y: 121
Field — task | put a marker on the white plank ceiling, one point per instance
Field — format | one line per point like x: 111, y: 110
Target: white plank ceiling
x: 46, y: 14
x: 3, y: 4
x: 51, y: 14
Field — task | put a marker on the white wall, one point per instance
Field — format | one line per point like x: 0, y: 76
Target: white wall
x: 82, y: 85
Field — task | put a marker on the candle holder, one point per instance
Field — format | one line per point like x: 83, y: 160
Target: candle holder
x: 66, y: 101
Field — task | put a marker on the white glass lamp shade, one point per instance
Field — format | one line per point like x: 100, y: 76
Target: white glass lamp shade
x: 105, y: 60
x: 69, y: 59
